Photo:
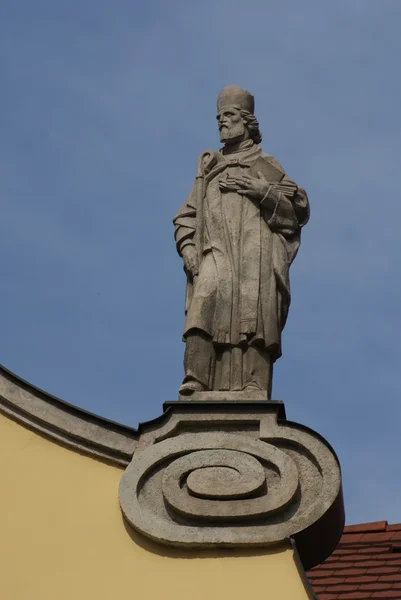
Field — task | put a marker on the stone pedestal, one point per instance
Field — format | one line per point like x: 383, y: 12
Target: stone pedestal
x: 234, y: 474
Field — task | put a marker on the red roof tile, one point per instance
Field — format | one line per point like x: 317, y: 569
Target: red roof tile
x: 377, y: 526
x: 366, y: 565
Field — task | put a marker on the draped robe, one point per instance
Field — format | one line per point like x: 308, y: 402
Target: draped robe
x: 241, y: 295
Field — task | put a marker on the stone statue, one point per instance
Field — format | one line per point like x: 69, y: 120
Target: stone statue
x: 219, y: 471
x: 238, y: 233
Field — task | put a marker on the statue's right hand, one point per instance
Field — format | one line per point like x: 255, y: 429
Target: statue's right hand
x: 190, y: 257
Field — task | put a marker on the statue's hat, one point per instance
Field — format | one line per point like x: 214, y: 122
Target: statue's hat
x: 233, y: 96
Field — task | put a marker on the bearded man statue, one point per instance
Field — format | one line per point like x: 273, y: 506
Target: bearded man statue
x: 237, y: 233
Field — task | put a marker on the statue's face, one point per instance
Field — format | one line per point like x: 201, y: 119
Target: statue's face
x: 231, y: 126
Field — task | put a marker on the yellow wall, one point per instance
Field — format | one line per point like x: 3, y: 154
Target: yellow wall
x: 62, y: 537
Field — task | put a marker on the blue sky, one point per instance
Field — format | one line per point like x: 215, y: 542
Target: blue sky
x: 104, y: 109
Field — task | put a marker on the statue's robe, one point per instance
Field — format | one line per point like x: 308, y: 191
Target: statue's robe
x: 245, y: 248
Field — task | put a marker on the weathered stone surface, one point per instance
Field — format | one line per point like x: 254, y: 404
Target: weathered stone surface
x: 234, y: 474
x: 237, y: 233
x: 240, y: 477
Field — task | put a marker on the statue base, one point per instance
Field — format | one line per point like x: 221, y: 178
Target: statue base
x: 234, y: 474
x: 242, y: 396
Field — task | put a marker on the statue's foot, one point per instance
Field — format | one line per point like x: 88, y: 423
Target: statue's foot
x: 189, y: 387
x: 252, y: 388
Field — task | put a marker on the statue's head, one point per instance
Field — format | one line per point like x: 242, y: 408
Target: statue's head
x: 235, y: 108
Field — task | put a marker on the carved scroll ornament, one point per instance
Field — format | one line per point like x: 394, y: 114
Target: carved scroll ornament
x: 220, y: 488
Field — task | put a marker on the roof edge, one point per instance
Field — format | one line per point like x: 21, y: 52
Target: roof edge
x: 373, y: 527
x: 64, y: 422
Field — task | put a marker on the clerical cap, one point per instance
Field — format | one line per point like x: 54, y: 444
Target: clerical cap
x: 233, y: 96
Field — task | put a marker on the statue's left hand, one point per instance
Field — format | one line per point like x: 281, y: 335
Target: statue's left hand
x: 253, y: 187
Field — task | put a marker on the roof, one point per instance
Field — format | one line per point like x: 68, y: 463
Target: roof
x: 365, y: 565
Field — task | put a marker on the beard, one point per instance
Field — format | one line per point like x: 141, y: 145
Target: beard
x: 232, y: 133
